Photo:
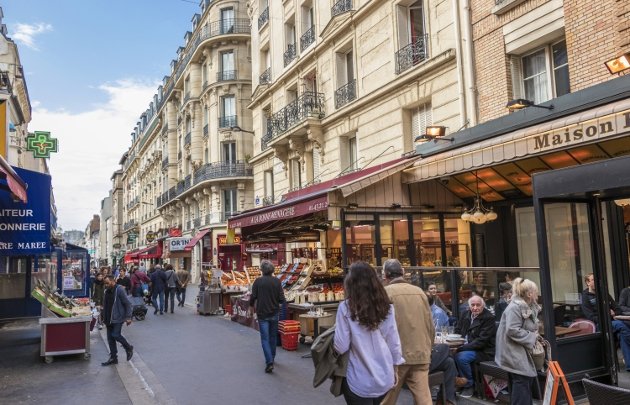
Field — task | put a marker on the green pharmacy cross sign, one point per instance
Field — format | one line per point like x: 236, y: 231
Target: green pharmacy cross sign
x: 41, y: 144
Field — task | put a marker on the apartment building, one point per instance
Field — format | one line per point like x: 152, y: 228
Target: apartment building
x: 187, y: 170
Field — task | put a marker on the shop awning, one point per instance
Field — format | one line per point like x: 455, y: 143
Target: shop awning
x: 131, y: 257
x: 151, y: 252
x: 591, y: 126
x: 289, y: 209
x: 371, y: 178
x: 196, y: 239
x: 9, y: 180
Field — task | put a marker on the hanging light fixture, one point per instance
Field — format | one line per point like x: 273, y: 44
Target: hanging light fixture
x: 478, y: 213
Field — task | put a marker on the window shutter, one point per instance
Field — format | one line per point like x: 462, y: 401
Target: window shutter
x: 516, y: 69
x: 316, y: 162
x: 422, y: 117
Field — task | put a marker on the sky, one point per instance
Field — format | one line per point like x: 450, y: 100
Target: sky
x: 91, y: 68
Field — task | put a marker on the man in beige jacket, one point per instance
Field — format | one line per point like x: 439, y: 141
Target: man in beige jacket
x: 416, y: 330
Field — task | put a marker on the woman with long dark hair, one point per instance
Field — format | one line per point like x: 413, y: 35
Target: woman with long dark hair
x: 366, y: 327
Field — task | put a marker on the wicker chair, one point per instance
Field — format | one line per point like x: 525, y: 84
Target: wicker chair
x: 602, y: 394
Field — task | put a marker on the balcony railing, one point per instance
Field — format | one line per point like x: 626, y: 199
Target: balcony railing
x: 341, y: 7
x: 225, y: 215
x: 346, y: 94
x: 165, y: 163
x: 205, y: 130
x: 265, y: 77
x: 263, y: 18
x: 290, y: 54
x: 187, y: 139
x: 307, y: 38
x: 228, y: 121
x: 411, y: 54
x: 196, y: 222
x: 309, y: 104
x: 226, y: 75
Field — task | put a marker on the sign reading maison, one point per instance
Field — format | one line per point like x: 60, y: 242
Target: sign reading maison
x: 303, y: 208
x: 582, y: 132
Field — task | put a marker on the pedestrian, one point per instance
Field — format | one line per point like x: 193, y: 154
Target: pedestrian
x: 416, y: 331
x: 183, y: 276
x: 477, y: 327
x: 516, y: 336
x: 142, y: 267
x: 123, y: 279
x: 158, y: 284
x: 97, y: 296
x: 441, y: 360
x: 171, y: 287
x: 366, y: 327
x: 116, y: 311
x: 267, y: 295
x: 138, y: 282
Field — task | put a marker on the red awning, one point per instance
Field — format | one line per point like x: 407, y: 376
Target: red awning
x: 151, y: 252
x: 15, y: 184
x: 131, y: 257
x: 196, y: 239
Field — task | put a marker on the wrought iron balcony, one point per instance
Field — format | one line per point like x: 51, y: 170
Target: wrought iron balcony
x: 341, y: 7
x: 219, y: 170
x: 345, y: 94
x: 412, y: 54
x: 263, y: 18
x: 187, y: 139
x: 307, y: 38
x: 165, y: 163
x: 226, y: 75
x: 187, y: 182
x: 205, y: 130
x: 309, y: 104
x: 264, y: 141
x: 228, y: 121
x: 290, y: 54
x: 265, y: 77
x: 186, y: 98
x: 196, y: 222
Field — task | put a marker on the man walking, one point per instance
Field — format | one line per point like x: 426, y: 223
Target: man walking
x: 158, y: 284
x: 184, y: 278
x: 267, y: 295
x: 171, y: 287
x: 116, y: 311
x: 416, y: 330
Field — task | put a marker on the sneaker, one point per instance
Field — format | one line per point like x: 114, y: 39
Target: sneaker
x: 155, y: 312
x: 460, y: 382
x: 269, y: 368
x: 100, y: 327
x: 129, y: 353
x: 110, y: 362
x: 467, y: 392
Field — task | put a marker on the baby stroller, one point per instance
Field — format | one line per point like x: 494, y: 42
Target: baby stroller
x: 139, y: 309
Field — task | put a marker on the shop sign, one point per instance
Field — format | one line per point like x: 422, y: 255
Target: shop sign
x: 242, y: 314
x: 581, y: 132
x: 222, y: 240
x: 41, y: 144
x: 177, y: 244
x: 174, y: 232
x: 25, y: 228
x: 150, y: 236
x: 291, y: 211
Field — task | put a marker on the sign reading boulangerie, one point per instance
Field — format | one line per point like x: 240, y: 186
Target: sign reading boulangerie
x: 25, y: 228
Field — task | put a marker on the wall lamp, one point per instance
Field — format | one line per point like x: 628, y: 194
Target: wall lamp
x: 619, y: 64
x: 521, y: 103
x: 239, y: 129
x: 433, y: 133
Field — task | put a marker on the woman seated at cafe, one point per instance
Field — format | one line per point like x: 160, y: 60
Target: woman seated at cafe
x: 620, y: 328
x: 477, y: 327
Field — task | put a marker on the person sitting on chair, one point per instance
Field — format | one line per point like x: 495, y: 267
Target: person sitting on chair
x: 620, y: 328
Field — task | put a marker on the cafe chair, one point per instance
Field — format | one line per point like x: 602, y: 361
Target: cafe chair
x: 603, y: 394
x: 586, y: 327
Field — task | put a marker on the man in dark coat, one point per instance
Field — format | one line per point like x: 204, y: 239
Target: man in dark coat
x: 116, y: 311
x: 158, y: 285
x: 477, y: 326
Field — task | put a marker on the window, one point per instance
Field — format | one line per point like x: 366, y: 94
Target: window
x: 346, y: 91
x: 187, y: 87
x: 204, y: 74
x: 229, y: 201
x: 291, y: 51
x: 228, y: 111
x: 543, y: 74
x: 206, y: 156
x: 415, y: 16
x: 421, y: 118
x: 227, y: 66
x: 296, y: 173
x: 227, y: 20
x: 316, y: 165
x: 352, y: 153
x: 308, y: 26
x: 269, y: 197
x: 229, y: 152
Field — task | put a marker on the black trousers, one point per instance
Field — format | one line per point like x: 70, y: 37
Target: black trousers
x: 353, y: 399
x: 114, y: 334
x: 520, y: 387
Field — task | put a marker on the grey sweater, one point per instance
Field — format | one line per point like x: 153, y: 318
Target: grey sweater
x: 516, y: 337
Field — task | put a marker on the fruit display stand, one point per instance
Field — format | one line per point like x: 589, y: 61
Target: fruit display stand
x: 62, y: 336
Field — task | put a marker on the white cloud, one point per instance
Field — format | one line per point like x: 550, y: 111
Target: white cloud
x: 91, y: 144
x: 26, y: 33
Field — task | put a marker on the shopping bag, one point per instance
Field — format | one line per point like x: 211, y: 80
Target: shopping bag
x: 494, y: 386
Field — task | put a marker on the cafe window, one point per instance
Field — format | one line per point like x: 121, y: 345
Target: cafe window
x: 360, y: 238
x: 395, y: 238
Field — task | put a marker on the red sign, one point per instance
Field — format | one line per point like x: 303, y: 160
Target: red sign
x: 174, y: 232
x: 285, y: 212
x: 222, y: 240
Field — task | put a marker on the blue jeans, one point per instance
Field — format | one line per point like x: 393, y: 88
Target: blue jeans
x: 154, y: 297
x: 620, y: 328
x: 268, y: 337
x: 464, y: 362
x: 114, y: 334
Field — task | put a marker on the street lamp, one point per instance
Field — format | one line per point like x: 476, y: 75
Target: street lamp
x: 433, y: 133
x: 239, y: 129
x: 619, y: 64
x: 520, y: 103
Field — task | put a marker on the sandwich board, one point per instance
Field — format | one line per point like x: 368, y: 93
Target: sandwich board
x: 555, y: 377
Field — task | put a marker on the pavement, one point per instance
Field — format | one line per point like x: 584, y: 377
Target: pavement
x: 181, y: 358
